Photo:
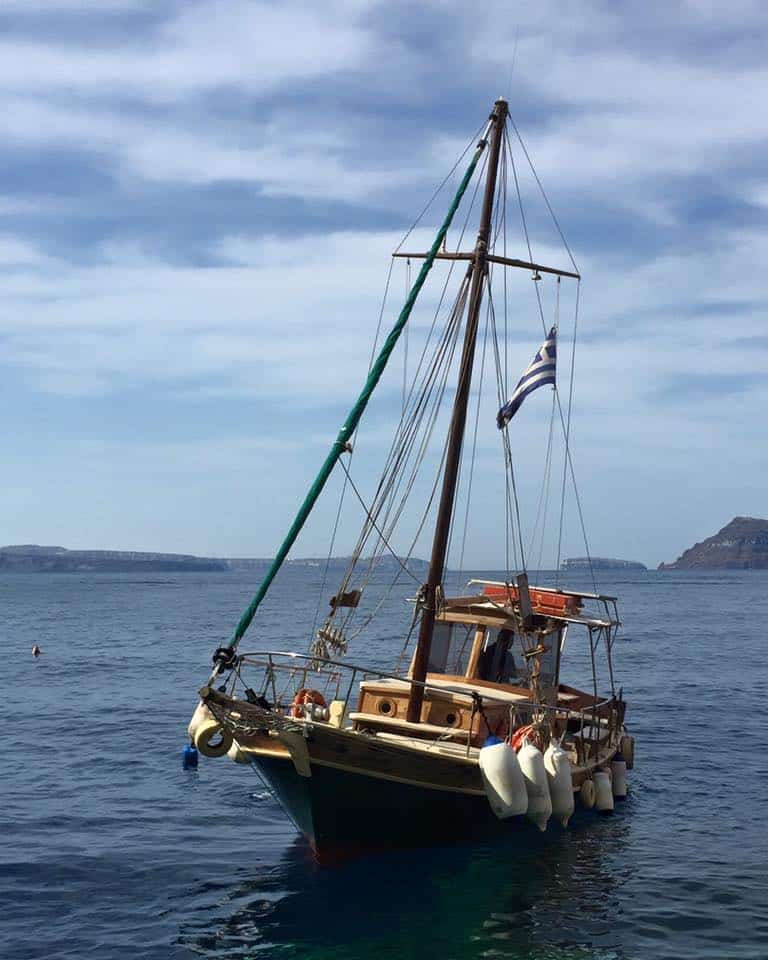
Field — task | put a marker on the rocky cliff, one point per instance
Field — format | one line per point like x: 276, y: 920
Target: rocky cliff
x: 34, y: 558
x: 740, y: 545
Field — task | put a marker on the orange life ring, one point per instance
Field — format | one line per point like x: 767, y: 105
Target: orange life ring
x: 304, y: 696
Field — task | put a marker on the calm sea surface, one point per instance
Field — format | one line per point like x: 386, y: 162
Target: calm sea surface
x: 109, y: 849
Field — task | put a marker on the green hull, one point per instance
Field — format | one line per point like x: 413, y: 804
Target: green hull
x: 344, y: 814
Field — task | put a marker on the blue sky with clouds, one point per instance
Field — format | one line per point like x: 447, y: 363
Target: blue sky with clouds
x: 197, y: 205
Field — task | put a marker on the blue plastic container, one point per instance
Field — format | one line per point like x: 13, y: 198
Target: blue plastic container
x: 490, y: 741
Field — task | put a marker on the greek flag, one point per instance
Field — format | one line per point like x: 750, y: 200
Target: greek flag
x: 540, y: 372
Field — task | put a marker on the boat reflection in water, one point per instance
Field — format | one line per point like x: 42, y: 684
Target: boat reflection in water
x: 554, y: 897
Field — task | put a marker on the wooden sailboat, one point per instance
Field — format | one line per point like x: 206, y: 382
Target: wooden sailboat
x: 479, y: 734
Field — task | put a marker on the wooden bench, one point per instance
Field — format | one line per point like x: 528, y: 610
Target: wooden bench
x: 408, y: 729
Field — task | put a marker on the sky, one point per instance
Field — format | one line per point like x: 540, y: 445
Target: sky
x: 198, y: 201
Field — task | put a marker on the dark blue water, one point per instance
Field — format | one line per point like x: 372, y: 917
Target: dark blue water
x: 109, y: 850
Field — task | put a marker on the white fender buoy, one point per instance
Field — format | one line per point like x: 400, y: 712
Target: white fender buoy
x: 503, y: 781
x: 236, y: 754
x: 336, y: 713
x: 558, y: 768
x: 587, y: 794
x: 201, y: 714
x: 207, y: 731
x: 539, y: 802
x: 619, y: 777
x: 603, y: 792
x: 627, y: 750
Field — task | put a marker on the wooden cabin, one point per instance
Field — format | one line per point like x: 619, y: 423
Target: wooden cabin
x: 479, y: 647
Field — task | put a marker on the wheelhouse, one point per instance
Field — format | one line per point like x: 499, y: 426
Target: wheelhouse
x: 491, y: 669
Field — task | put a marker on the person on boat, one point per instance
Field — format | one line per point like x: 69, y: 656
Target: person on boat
x: 497, y: 662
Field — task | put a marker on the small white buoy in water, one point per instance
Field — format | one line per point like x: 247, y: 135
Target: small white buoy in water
x: 36, y: 651
x: 539, y: 802
x: 558, y: 769
x: 619, y: 777
x: 603, y: 792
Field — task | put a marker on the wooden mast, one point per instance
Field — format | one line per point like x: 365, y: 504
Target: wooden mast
x: 458, y: 422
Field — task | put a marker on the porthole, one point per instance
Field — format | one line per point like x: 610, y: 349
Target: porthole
x: 386, y: 707
x: 453, y: 719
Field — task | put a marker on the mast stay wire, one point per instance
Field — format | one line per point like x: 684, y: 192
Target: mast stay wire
x: 428, y: 410
x: 544, y: 494
x: 421, y: 455
x: 433, y: 393
x: 388, y: 466
x: 511, y: 497
x: 402, y: 444
x: 396, y: 459
x: 472, y: 459
x: 482, y: 130
x: 544, y: 195
x: 565, y: 423
x: 405, y: 334
x: 498, y: 229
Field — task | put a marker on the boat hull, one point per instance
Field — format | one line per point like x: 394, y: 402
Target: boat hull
x: 343, y: 814
x: 351, y: 791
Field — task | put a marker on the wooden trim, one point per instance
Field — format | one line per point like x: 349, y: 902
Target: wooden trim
x: 501, y: 687
x: 506, y: 261
x: 479, y: 618
x: 477, y: 649
x: 408, y: 729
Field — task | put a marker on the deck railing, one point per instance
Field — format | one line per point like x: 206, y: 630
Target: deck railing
x: 285, y: 672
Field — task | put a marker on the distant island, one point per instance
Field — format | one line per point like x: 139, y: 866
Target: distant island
x: 34, y: 558
x: 742, y: 544
x: 600, y: 563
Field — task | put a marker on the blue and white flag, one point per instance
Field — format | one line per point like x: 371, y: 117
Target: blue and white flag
x: 539, y: 373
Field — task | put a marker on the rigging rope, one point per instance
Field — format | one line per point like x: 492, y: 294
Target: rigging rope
x: 511, y: 498
x: 372, y: 521
x: 565, y: 424
x: 424, y: 410
x: 544, y: 195
x: 450, y: 342
x: 544, y: 495
x: 348, y: 428
x: 474, y: 450
x: 473, y: 138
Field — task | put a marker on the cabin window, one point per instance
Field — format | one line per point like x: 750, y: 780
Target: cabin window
x: 451, y: 647
x: 503, y: 659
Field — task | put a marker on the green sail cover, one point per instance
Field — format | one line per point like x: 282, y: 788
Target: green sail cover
x: 350, y: 425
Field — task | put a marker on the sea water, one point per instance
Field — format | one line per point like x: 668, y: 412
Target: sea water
x: 109, y: 849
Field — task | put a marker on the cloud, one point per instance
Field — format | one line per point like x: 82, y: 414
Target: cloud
x: 14, y: 252
x: 205, y: 46
x: 198, y: 202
